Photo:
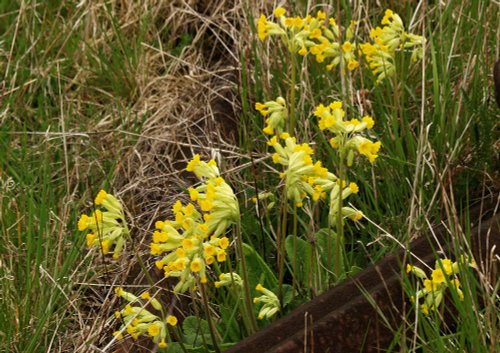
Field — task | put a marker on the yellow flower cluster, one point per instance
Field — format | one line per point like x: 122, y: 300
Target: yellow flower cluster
x: 275, y: 113
x: 347, y: 139
x: 444, y: 275
x: 271, y: 302
x: 195, y: 237
x: 137, y: 320
x: 327, y: 45
x: 319, y: 36
x: 107, y: 226
x: 302, y: 176
x: 347, y: 212
x: 228, y: 279
x: 380, y: 54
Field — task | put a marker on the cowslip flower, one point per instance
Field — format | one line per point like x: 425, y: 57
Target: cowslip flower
x: 195, y: 238
x: 229, y: 279
x: 333, y: 49
x: 443, y: 276
x: 387, y: 40
x: 347, y: 212
x: 217, y: 199
x: 347, y: 139
x: 271, y: 302
x: 106, y: 225
x: 188, y: 249
x: 302, y: 175
x: 275, y: 113
x: 295, y: 32
x: 139, y: 321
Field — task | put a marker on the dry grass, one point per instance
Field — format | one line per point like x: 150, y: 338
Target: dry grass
x: 189, y: 103
x: 147, y: 85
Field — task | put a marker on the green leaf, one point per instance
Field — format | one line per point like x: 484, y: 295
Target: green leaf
x: 287, y: 294
x: 229, y: 323
x: 196, y: 331
x: 175, y: 347
x: 299, y: 252
x: 325, y: 238
x: 258, y: 270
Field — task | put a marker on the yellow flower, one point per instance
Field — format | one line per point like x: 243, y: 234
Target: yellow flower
x: 368, y: 120
x: 221, y: 255
x: 354, y: 188
x: 159, y: 264
x: 438, y: 276
x: 188, y: 244
x: 171, y: 320
x: 101, y: 196
x: 447, y: 266
x: 192, y: 164
x: 424, y: 309
x: 388, y: 17
x: 83, y: 222
x: 428, y: 285
x: 315, y: 33
x: 347, y: 47
x: 154, y: 330
x: 352, y: 65
x: 357, y: 216
x: 279, y: 12
x: 271, y: 302
x: 224, y: 243
x: 196, y: 265
x: 90, y: 238
x: 105, y: 246
x: 262, y: 27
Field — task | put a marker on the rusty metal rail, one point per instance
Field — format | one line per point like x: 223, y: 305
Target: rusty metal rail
x: 355, y: 316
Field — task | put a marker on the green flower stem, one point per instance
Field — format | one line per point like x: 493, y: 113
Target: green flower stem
x: 294, y: 265
x: 246, y: 283
x: 178, y: 338
x: 339, y: 239
x: 237, y: 296
x: 281, y: 246
x: 291, y: 127
x: 209, y: 317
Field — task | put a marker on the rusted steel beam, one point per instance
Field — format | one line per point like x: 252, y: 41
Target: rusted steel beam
x: 344, y: 318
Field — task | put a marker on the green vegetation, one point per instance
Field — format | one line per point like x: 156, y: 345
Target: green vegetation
x: 119, y: 96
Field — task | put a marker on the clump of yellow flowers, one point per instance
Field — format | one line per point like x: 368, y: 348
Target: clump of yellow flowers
x: 386, y: 41
x: 107, y: 226
x: 320, y: 36
x: 303, y: 177
x: 444, y: 275
x: 347, y: 138
x: 328, y: 42
x: 275, y: 113
x: 229, y: 279
x: 271, y: 302
x: 136, y: 320
x: 195, y: 238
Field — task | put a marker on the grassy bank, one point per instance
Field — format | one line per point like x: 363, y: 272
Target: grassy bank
x: 120, y: 96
